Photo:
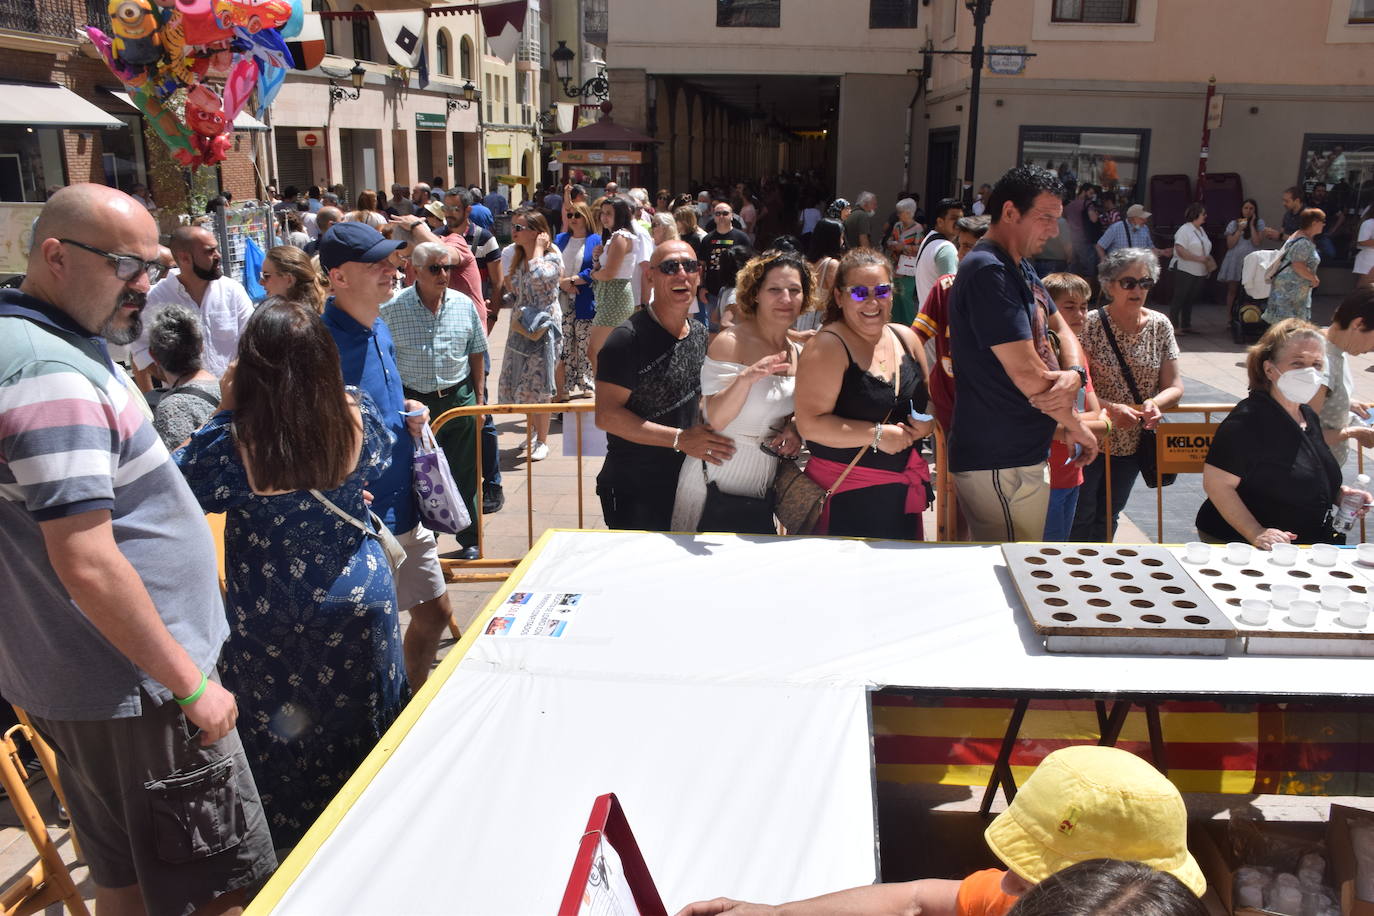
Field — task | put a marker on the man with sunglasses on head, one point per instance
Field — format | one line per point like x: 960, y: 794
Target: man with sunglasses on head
x: 113, y: 621
x: 648, y: 383
x: 199, y: 284
x: 1013, y: 386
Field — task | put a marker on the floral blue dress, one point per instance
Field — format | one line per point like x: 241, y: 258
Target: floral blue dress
x: 1290, y: 296
x: 314, y: 651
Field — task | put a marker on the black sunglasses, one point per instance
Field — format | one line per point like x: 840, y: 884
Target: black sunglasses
x: 126, y: 266
x: 1132, y: 283
x: 671, y: 267
x: 437, y: 269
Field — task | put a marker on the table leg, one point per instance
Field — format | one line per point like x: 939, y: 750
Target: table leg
x: 1001, y: 770
x: 1156, y: 738
x: 1115, y: 721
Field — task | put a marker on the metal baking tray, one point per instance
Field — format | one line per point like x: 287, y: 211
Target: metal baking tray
x: 1104, y: 598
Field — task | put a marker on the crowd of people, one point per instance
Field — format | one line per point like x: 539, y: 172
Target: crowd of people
x: 793, y: 327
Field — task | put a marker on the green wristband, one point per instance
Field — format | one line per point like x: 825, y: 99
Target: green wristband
x: 195, y: 696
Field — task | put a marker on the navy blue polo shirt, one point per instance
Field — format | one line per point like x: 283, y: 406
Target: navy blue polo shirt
x: 368, y: 359
x: 991, y: 303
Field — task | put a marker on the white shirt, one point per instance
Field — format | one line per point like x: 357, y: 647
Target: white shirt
x: 979, y: 207
x: 928, y: 268
x: 1364, y: 257
x: 223, y: 312
x: 1195, y: 242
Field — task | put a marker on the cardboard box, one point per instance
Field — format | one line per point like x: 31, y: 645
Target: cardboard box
x: 1209, y: 844
x: 1342, y: 854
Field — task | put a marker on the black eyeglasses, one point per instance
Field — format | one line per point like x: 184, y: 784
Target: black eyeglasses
x: 1132, y: 283
x: 127, y: 267
x: 670, y: 267
x: 722, y: 213
x: 437, y: 269
x: 863, y: 293
x: 574, y: 216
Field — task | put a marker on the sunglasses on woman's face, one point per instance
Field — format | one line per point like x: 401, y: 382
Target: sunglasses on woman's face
x: 671, y: 267
x: 1132, y: 283
x: 863, y: 293
x: 437, y: 269
x: 518, y: 227
x: 574, y: 216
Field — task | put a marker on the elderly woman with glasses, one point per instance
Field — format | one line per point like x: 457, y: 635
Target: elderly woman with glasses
x: 1133, y: 357
x: 860, y: 404
x: 527, y: 371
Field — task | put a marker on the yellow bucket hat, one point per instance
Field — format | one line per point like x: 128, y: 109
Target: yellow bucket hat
x: 1092, y: 802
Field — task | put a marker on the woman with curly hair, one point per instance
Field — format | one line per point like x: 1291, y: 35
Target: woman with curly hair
x: 746, y: 385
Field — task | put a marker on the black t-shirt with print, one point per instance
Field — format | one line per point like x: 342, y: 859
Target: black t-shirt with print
x: 710, y: 250
x: 663, y: 375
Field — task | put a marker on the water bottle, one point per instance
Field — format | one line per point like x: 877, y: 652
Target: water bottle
x: 1350, y: 504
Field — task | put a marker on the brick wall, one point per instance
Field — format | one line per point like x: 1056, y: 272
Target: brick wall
x: 236, y: 171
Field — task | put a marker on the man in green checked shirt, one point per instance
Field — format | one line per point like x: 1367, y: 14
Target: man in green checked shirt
x: 440, y: 343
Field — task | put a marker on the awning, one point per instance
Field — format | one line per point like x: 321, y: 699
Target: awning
x: 49, y: 105
x: 242, y: 121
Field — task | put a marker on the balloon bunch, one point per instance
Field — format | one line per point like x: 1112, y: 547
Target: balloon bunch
x: 191, y: 65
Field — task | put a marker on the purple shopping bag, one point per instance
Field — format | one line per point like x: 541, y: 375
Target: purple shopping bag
x: 441, y: 505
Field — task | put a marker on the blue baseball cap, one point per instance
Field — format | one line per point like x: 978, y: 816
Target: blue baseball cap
x: 344, y: 242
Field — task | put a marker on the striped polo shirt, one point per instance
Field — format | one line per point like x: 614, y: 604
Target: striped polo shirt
x: 73, y: 440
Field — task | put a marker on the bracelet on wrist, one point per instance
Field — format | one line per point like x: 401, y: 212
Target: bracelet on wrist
x: 677, y: 436
x: 877, y: 436
x: 187, y: 701
x: 1108, y: 420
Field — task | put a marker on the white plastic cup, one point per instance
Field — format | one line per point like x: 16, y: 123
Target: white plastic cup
x: 1303, y: 612
x: 1283, y: 594
x: 1333, y: 595
x: 1198, y: 552
x: 1365, y: 554
x: 1238, y: 552
x: 1354, y: 614
x: 1254, y: 611
x: 1325, y: 554
x: 1283, y: 554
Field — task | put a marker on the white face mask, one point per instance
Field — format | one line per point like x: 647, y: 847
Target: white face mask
x: 1301, y: 385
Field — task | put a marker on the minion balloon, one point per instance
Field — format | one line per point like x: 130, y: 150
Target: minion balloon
x: 135, y: 27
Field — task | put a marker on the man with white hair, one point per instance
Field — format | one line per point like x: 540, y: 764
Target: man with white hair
x: 419, y: 196
x: 441, y: 347
x: 858, y: 229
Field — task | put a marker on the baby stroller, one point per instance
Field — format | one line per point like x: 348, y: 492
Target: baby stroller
x: 1245, y: 321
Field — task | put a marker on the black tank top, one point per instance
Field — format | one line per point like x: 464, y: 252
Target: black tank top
x: 864, y: 396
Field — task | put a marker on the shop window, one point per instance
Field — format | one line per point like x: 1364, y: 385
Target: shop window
x: 122, y: 154
x: 1109, y: 158
x: 754, y: 14
x: 362, y: 35
x: 441, y: 51
x: 1094, y: 11
x: 1361, y: 11
x: 465, y: 58
x: 892, y: 14
x: 1336, y: 174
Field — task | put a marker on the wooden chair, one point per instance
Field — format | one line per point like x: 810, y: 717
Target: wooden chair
x: 48, y: 881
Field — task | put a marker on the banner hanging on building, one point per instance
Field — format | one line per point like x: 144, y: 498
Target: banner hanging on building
x: 403, y: 35
x: 503, y: 23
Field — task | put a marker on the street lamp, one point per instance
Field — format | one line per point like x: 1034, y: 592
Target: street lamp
x: 598, y: 87
x: 467, y: 95
x: 980, y: 10
x: 339, y: 94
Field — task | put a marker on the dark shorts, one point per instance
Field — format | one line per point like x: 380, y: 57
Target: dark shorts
x: 151, y: 806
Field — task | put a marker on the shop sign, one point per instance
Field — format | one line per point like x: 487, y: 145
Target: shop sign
x: 425, y: 120
x: 309, y: 139
x: 601, y: 157
x: 498, y: 150
x: 1183, y: 447
x: 1007, y: 60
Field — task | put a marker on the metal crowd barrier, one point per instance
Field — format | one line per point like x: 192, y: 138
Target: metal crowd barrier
x: 489, y: 569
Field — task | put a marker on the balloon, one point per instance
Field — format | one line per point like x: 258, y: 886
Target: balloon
x: 137, y: 41
x: 238, y: 87
x: 267, y: 46
x: 200, y: 23
x: 270, y: 80
x: 292, y: 27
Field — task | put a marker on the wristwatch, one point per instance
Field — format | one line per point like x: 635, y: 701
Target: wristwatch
x: 1082, y: 376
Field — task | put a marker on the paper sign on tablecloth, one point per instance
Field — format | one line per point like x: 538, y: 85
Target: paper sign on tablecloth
x: 609, y: 877
x: 535, y: 614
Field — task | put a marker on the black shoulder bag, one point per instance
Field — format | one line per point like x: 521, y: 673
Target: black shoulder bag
x: 1145, y: 454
